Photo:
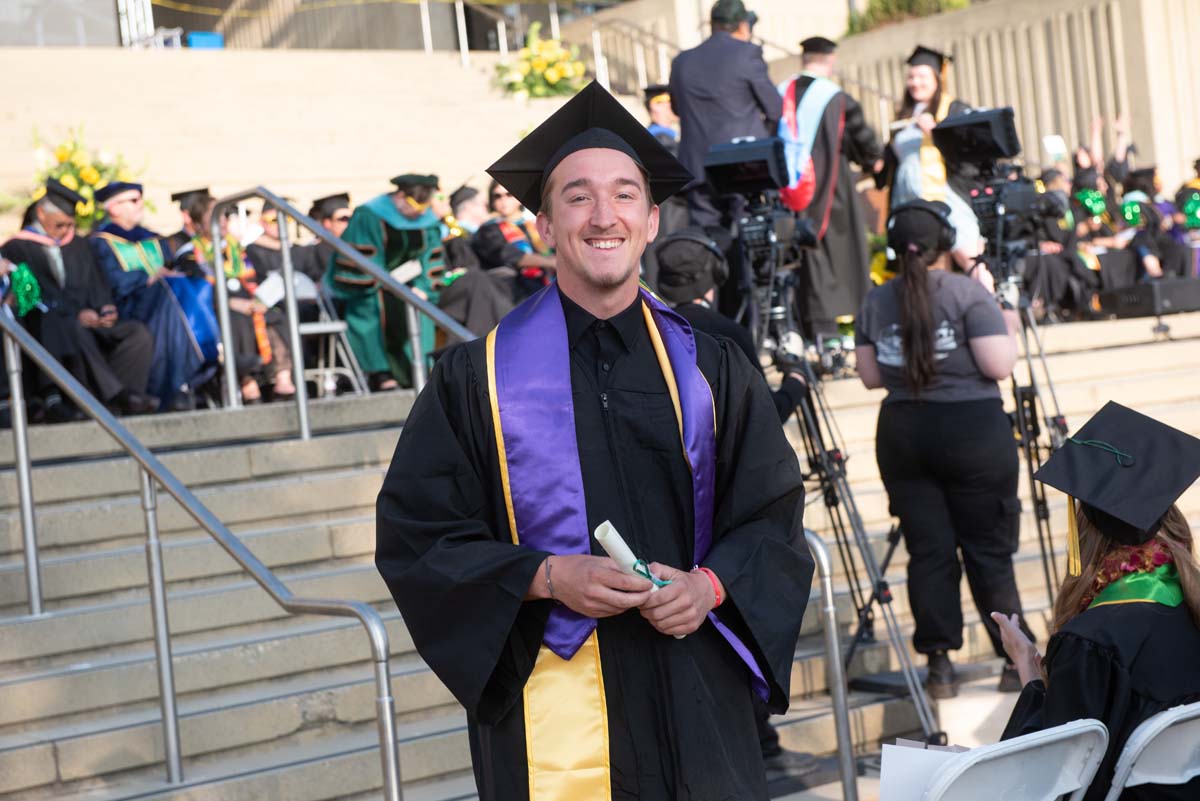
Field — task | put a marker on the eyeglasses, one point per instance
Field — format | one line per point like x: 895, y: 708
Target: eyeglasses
x: 341, y: 219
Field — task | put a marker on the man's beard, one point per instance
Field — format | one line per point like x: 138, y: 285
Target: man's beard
x: 610, y: 281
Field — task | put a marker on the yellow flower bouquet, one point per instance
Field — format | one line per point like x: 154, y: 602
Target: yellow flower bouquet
x: 543, y: 68
x: 80, y: 170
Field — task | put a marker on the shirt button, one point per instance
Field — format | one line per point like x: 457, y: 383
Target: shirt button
x: 605, y: 366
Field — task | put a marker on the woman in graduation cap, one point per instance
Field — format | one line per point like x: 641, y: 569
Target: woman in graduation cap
x: 1126, y: 621
x: 914, y: 168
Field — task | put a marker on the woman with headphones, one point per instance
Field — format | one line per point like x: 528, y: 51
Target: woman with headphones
x: 938, y: 342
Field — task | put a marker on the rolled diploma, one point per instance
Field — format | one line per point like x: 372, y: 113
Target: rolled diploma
x: 614, y: 545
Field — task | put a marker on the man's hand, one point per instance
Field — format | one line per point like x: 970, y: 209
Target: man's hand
x: 1050, y: 248
x: 88, y: 318
x: 108, y: 316
x: 591, y: 585
x: 926, y: 122
x: 679, y: 608
x: 877, y: 167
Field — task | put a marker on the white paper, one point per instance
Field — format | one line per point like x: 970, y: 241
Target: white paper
x: 407, y: 271
x: 614, y: 545
x: 905, y: 771
x: 270, y: 290
x: 1056, y: 147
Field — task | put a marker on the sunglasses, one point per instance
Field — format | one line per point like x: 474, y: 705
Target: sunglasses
x: 499, y: 195
x: 341, y: 219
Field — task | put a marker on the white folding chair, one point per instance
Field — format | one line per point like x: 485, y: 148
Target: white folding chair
x: 1035, y: 767
x: 1151, y: 756
x: 334, y: 347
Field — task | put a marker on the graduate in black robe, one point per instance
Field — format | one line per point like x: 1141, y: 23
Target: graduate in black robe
x: 680, y: 718
x: 836, y: 275
x: 80, y: 324
x: 1126, y: 644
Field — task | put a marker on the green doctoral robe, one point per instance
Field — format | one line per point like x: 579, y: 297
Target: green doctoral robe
x: 375, y: 318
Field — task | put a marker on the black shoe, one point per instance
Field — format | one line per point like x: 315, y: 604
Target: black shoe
x: 794, y: 764
x: 942, y: 681
x: 184, y: 401
x: 57, y: 410
x: 130, y: 402
x: 1010, y: 679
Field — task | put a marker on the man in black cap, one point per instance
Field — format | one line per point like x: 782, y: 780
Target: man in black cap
x: 1127, y: 616
x: 721, y: 91
x: 824, y: 126
x: 79, y: 323
x: 393, y: 230
x: 592, y: 402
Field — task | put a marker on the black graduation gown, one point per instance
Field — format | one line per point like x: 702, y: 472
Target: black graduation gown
x: 836, y: 275
x: 681, y: 720
x: 1119, y: 664
x: 110, y: 360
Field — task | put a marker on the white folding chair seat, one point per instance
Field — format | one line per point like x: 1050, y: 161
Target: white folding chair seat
x: 1041, y: 766
x: 334, y: 355
x: 1164, y: 749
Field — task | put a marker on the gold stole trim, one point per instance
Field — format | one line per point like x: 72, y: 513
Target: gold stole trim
x: 566, y: 716
x: 933, y: 166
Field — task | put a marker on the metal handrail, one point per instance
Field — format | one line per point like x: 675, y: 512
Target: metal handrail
x: 835, y: 674
x: 17, y: 339
x: 414, y: 303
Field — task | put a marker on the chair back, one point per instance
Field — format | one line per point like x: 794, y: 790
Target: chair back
x: 1164, y: 749
x: 1041, y: 766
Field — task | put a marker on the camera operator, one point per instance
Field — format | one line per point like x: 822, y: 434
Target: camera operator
x: 720, y: 91
x: 939, y: 343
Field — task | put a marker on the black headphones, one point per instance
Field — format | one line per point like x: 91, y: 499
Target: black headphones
x: 941, y: 211
x: 696, y: 234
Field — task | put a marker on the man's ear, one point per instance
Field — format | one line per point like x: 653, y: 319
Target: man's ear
x: 652, y: 225
x: 545, y: 229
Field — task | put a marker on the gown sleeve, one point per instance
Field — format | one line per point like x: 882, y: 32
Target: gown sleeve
x: 364, y: 234
x: 124, y: 284
x: 456, y: 577
x: 758, y: 551
x: 861, y: 146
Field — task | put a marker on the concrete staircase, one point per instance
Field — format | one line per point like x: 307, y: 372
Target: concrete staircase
x: 274, y: 706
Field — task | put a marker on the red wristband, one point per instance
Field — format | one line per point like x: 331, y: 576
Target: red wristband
x: 712, y: 577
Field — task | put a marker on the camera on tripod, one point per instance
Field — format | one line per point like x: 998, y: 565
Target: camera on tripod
x: 1008, y: 205
x: 768, y: 232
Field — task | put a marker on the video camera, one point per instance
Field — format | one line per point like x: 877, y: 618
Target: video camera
x: 768, y: 232
x: 1008, y: 205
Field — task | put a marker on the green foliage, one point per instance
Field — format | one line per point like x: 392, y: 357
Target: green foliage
x: 886, y: 12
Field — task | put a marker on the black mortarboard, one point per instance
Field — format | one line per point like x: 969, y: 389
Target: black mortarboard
x: 1126, y: 469
x: 729, y: 11
x: 591, y: 119
x: 415, y: 179
x: 115, y: 188
x: 63, y: 199
x: 818, y: 46
x: 928, y: 57
x: 655, y: 90
x: 324, y: 207
x: 188, y: 195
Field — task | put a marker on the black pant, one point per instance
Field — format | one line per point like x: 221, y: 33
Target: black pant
x: 951, y: 474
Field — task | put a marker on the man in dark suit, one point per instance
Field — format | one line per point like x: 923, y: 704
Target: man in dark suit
x: 720, y: 90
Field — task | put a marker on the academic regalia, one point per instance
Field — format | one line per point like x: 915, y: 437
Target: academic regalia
x: 501, y: 243
x: 128, y: 258
x: 110, y: 361
x: 673, y: 718
x: 475, y: 297
x: 1134, y: 650
x: 835, y: 276
x: 376, y: 320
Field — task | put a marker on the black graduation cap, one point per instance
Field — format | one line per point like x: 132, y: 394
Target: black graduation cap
x: 324, y: 207
x: 115, y: 188
x: 415, y: 179
x: 929, y: 57
x: 1126, y: 469
x: 64, y: 199
x: 591, y: 119
x: 818, y: 45
x: 188, y: 195
x: 654, y: 91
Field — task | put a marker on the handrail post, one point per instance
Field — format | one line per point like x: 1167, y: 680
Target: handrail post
x: 598, y: 63
x: 835, y: 677
x: 414, y: 342
x: 502, y: 38
x: 24, y: 471
x: 554, y: 25
x: 385, y: 715
x: 460, y: 18
x: 162, y: 631
x: 293, y: 322
x: 426, y: 29
x: 233, y: 397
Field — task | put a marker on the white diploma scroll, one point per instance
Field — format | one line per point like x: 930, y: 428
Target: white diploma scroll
x: 614, y: 545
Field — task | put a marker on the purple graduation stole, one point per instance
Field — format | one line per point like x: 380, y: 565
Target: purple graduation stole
x: 529, y: 387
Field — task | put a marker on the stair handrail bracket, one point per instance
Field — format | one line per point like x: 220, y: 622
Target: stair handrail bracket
x: 17, y: 339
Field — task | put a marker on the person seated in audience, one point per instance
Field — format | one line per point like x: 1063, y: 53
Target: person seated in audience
x: 1060, y: 283
x: 135, y: 263
x: 511, y: 240
x: 78, y: 321
x: 333, y: 213
x: 1159, y: 254
x: 400, y: 233
x: 1125, y: 641
x: 260, y: 349
x: 1187, y: 216
x: 1172, y: 234
x: 475, y: 297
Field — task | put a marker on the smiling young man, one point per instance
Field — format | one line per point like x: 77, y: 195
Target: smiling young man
x: 593, y: 401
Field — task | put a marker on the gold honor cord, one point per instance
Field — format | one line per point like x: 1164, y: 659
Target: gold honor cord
x: 314, y: 5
